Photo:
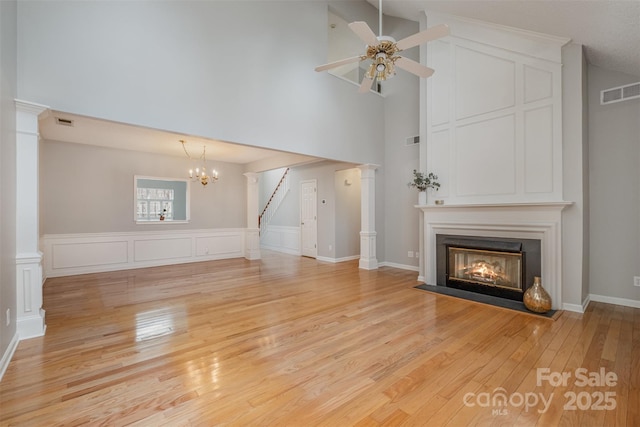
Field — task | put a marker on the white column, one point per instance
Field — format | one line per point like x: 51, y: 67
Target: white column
x: 252, y: 236
x: 30, y: 315
x: 368, y: 259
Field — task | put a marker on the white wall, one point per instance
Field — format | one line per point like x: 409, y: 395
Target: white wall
x: 614, y: 180
x: 236, y: 71
x: 575, y: 242
x: 88, y: 189
x: 8, y: 88
x: 268, y: 182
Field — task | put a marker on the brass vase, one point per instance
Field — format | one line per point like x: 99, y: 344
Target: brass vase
x: 536, y: 298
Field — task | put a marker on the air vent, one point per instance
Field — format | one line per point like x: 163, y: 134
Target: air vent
x: 412, y: 140
x: 64, y: 122
x: 620, y: 93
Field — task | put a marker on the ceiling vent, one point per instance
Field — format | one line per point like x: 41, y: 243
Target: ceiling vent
x: 620, y: 93
x: 412, y: 140
x: 64, y: 122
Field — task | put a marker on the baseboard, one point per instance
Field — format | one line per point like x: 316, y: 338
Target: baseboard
x: 400, y: 266
x: 576, y: 308
x: 614, y: 300
x: 8, y: 354
x: 337, y: 260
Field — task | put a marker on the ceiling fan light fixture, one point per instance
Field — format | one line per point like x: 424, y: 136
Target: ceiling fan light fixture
x: 382, y: 51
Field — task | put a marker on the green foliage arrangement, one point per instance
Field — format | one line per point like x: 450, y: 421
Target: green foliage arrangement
x: 422, y: 182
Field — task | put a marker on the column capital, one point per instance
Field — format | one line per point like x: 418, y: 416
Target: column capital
x: 27, y: 117
x: 29, y: 107
x: 252, y: 177
x: 368, y: 166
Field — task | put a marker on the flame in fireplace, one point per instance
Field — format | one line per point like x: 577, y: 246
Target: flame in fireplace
x: 484, y: 271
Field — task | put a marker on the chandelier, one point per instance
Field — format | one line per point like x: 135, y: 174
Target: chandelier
x: 200, y: 172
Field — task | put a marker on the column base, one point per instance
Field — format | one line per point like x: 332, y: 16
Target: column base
x: 252, y: 244
x: 30, y: 317
x: 31, y: 326
x: 368, y: 260
x: 368, y: 264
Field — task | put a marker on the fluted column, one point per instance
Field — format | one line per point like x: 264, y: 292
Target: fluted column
x: 252, y: 236
x: 30, y: 315
x: 368, y: 260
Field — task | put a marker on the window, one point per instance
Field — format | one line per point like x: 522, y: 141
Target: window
x: 154, y: 203
x: 161, y: 200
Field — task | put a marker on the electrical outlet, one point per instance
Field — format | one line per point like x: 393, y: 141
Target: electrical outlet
x: 410, y: 254
x: 417, y: 254
x: 8, y: 316
x: 330, y: 247
x: 636, y: 280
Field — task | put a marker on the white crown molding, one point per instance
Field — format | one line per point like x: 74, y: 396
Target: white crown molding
x: 501, y: 36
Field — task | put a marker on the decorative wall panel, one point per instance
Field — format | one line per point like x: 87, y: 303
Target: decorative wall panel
x: 485, y: 157
x: 281, y: 239
x: 483, y: 82
x: 538, y: 150
x: 87, y: 254
x: 493, y: 121
x: 538, y: 84
x: 70, y: 254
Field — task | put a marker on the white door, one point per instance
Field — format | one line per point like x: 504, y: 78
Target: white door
x: 308, y: 218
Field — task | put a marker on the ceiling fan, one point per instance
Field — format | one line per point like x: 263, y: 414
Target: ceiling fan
x: 382, y: 51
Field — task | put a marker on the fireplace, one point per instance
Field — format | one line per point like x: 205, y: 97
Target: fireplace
x: 502, y: 267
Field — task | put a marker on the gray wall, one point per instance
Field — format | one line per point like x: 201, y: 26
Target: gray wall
x: 614, y: 180
x: 347, y: 184
x: 401, y: 118
x: 239, y: 71
x: 87, y: 189
x: 8, y: 87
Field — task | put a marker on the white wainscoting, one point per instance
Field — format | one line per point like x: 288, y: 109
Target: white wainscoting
x: 281, y: 238
x: 71, y: 254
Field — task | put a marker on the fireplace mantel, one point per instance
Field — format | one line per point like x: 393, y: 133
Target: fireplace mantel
x: 538, y: 220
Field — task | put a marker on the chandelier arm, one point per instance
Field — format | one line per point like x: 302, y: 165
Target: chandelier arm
x: 185, y: 149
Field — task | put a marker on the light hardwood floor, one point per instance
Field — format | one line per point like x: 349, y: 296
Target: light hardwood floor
x: 294, y: 342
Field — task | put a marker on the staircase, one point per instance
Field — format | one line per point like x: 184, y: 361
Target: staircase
x: 274, y: 202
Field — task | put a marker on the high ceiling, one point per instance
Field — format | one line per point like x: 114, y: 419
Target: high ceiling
x: 609, y: 30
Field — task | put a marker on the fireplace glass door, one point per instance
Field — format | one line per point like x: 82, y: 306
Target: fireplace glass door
x: 485, y: 267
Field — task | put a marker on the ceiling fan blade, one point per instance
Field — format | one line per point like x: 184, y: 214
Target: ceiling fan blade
x: 429, y: 34
x: 414, y: 67
x: 365, y: 33
x: 365, y: 86
x: 338, y: 63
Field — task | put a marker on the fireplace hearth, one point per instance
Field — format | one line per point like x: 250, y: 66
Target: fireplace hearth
x: 501, y: 267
